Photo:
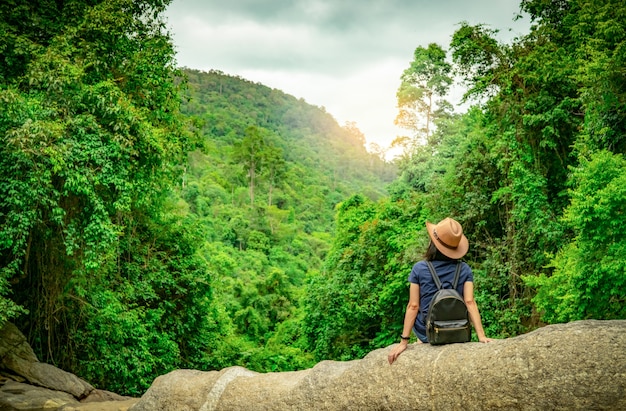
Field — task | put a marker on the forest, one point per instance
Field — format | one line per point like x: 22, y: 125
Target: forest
x: 154, y: 217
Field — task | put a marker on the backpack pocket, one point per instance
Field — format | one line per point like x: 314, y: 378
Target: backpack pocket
x: 446, y: 332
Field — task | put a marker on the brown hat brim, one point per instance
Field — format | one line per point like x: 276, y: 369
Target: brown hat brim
x: 454, y: 253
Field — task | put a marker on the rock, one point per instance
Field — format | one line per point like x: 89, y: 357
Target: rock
x: 16, y: 396
x: 13, y: 342
x: 189, y: 389
x: 101, y: 406
x: 18, y: 358
x: 574, y: 366
x: 48, y: 388
x: 48, y: 376
x: 103, y: 395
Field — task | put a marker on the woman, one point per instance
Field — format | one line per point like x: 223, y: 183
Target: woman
x: 447, y: 245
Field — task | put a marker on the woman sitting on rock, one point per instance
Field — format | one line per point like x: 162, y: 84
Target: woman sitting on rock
x: 447, y: 246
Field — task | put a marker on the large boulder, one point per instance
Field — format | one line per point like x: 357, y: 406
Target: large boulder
x: 18, y: 358
x: 28, y: 384
x: 575, y: 366
x: 13, y: 343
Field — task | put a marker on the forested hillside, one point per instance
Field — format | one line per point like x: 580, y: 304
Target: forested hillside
x: 272, y: 151
x: 262, y: 187
x: 154, y: 218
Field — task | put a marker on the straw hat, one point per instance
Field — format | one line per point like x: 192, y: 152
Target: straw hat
x: 447, y: 235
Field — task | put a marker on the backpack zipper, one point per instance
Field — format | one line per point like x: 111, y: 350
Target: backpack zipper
x: 449, y: 329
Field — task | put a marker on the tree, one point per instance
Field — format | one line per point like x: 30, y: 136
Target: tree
x: 378, y: 151
x: 529, y: 129
x: 427, y: 78
x: 84, y: 138
x: 601, y: 51
x: 249, y: 153
x: 553, y: 100
x: 275, y: 168
x: 354, y: 133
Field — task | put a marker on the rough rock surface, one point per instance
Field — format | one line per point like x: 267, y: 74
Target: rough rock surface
x: 18, y: 357
x: 102, y: 395
x: 574, y: 366
x: 13, y: 342
x: 101, y: 406
x: 27, y: 384
x: 19, y: 396
x: 48, y: 376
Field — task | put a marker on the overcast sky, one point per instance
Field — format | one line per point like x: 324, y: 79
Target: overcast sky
x: 344, y: 55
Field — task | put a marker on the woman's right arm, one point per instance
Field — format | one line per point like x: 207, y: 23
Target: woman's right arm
x: 409, y: 321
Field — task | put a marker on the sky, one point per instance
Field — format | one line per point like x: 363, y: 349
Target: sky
x: 344, y: 55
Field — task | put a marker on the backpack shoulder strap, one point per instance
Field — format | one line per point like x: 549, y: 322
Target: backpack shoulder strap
x: 433, y: 273
x: 456, y: 275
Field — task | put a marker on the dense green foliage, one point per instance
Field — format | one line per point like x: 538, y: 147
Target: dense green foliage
x: 92, y: 141
x: 153, y: 218
x: 589, y: 272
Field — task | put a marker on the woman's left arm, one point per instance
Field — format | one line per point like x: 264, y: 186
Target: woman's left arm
x: 474, y: 314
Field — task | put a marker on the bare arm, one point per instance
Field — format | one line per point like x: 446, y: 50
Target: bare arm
x: 410, y: 315
x: 474, y: 314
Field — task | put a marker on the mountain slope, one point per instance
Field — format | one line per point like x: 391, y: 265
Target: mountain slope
x: 316, y: 149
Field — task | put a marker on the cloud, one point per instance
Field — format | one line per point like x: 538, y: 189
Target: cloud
x: 346, y: 55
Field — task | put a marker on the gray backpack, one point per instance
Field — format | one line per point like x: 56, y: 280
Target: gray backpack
x: 448, y: 319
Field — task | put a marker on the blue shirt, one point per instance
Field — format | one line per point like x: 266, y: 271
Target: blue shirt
x: 420, y: 275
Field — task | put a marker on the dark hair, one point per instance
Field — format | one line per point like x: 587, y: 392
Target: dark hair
x: 433, y: 254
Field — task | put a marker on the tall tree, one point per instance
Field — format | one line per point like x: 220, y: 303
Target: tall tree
x: 530, y: 135
x: 427, y: 78
x: 587, y: 281
x: 249, y: 152
x: 275, y: 168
